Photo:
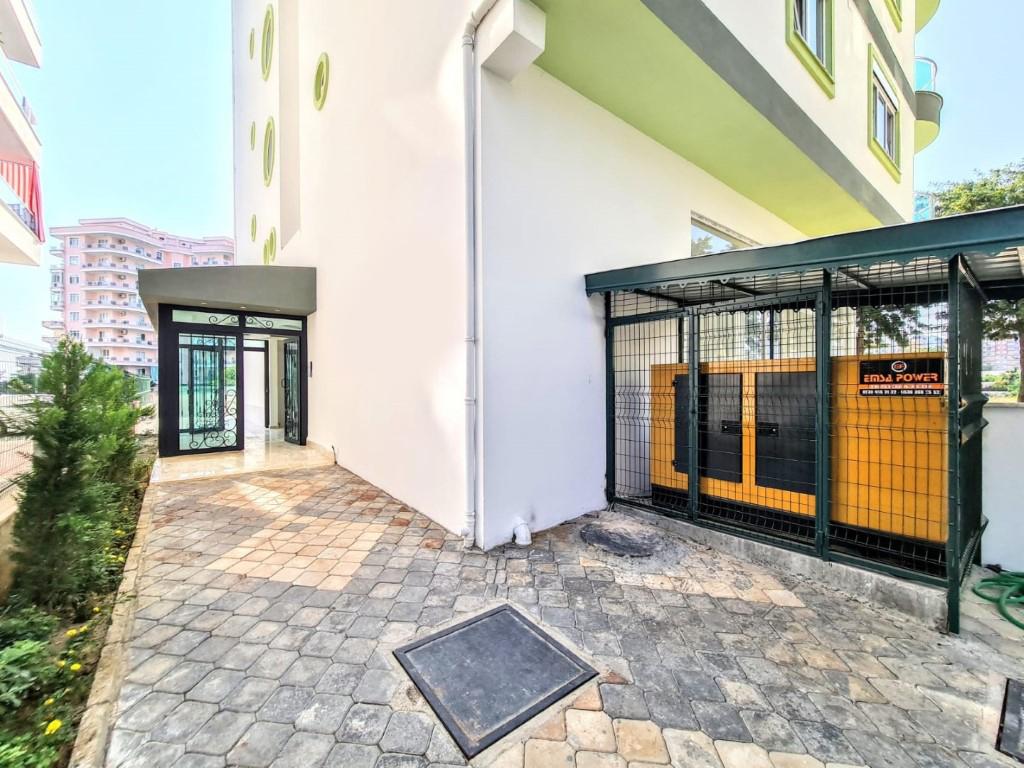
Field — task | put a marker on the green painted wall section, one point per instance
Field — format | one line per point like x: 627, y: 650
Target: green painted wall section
x: 621, y: 56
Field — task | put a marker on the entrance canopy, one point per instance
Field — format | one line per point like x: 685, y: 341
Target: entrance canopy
x: 256, y: 288
x: 989, y: 241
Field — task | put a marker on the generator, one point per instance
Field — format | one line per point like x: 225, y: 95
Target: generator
x: 758, y: 426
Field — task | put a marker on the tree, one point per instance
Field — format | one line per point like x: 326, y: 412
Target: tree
x: 83, y: 432
x: 998, y: 188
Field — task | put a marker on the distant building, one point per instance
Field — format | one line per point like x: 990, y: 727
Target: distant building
x: 924, y: 206
x: 18, y: 358
x: 94, y: 285
x: 1002, y: 355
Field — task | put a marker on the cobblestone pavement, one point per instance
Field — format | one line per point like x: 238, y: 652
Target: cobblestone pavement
x: 269, y: 605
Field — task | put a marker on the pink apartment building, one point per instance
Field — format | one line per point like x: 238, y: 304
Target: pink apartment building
x: 95, y: 285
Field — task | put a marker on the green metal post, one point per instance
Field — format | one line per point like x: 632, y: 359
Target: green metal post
x: 953, y: 429
x: 822, y: 449
x: 693, y: 476
x: 609, y: 398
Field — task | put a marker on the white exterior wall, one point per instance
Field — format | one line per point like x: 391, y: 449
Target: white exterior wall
x: 1003, y: 542
x: 567, y: 189
x: 761, y: 28
x: 381, y: 184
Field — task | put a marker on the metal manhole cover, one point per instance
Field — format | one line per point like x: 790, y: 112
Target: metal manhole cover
x: 622, y: 540
x: 487, y: 676
x: 1011, y: 728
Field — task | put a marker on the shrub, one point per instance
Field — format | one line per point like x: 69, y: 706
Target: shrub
x: 26, y: 623
x: 82, y: 473
x: 25, y: 668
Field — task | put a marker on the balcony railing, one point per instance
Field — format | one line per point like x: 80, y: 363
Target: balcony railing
x: 925, y: 73
x: 15, y: 204
x: 7, y: 73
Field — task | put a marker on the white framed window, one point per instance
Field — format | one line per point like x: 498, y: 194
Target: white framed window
x: 809, y: 34
x: 73, y: 316
x: 885, y: 111
x: 76, y: 334
x: 73, y: 298
x: 73, y: 242
x: 883, y: 115
x: 707, y: 236
x: 73, y: 280
x: 73, y: 258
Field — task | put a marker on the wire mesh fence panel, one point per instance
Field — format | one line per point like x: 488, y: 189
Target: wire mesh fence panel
x: 757, y: 410
x: 889, y: 439
x: 643, y: 409
x: 17, y: 387
x: 967, y: 483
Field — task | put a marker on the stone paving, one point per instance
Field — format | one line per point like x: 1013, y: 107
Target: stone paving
x: 269, y: 605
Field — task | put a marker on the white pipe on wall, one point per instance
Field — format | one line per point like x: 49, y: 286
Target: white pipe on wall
x: 472, y: 262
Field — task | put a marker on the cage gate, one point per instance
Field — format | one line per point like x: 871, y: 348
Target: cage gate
x: 811, y: 410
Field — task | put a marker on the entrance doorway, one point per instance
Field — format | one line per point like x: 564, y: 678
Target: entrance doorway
x: 230, y: 376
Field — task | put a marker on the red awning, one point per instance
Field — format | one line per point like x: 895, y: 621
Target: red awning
x: 23, y: 178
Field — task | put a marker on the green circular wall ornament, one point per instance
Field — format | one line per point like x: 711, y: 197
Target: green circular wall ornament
x: 268, y: 152
x: 270, y: 247
x: 321, y: 79
x: 252, y: 228
x: 252, y: 135
x: 267, y: 49
x: 252, y: 43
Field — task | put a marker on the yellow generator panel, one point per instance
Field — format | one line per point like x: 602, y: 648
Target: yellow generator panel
x: 758, y: 439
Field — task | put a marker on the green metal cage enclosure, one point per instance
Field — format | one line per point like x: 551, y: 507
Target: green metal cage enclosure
x: 823, y: 396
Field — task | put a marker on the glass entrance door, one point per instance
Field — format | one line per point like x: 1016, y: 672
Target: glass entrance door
x: 207, y: 392
x: 292, y: 398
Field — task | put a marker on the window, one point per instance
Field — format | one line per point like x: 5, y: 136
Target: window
x: 76, y: 334
x: 177, y: 265
x: 73, y: 258
x: 707, y: 237
x: 73, y: 316
x: 73, y: 242
x: 809, y: 35
x: 883, y: 117
x: 103, y: 242
x: 73, y: 298
x: 896, y: 11
x: 73, y: 280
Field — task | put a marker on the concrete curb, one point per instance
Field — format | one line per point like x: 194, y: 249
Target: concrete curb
x: 94, y: 729
x: 917, y: 601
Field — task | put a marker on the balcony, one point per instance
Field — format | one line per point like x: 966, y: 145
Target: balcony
x: 20, y: 38
x: 125, y: 250
x: 18, y: 241
x: 53, y: 325
x: 926, y: 10
x: 928, y: 107
x: 108, y: 266
x: 18, y: 139
x: 109, y: 285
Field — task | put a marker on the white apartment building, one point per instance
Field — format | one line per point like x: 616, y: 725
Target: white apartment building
x: 452, y: 170
x: 21, y: 222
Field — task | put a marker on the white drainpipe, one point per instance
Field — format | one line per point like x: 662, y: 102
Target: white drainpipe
x: 472, y: 263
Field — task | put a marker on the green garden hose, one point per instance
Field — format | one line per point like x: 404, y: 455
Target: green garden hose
x: 1005, y: 590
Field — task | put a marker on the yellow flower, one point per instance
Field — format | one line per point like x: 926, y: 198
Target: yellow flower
x: 61, y: 663
x: 53, y: 726
x: 71, y: 632
x: 119, y: 532
x: 75, y: 667
x: 48, y: 702
x: 96, y: 609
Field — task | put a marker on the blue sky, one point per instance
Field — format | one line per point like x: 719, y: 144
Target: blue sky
x: 133, y: 104
x: 134, y: 110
